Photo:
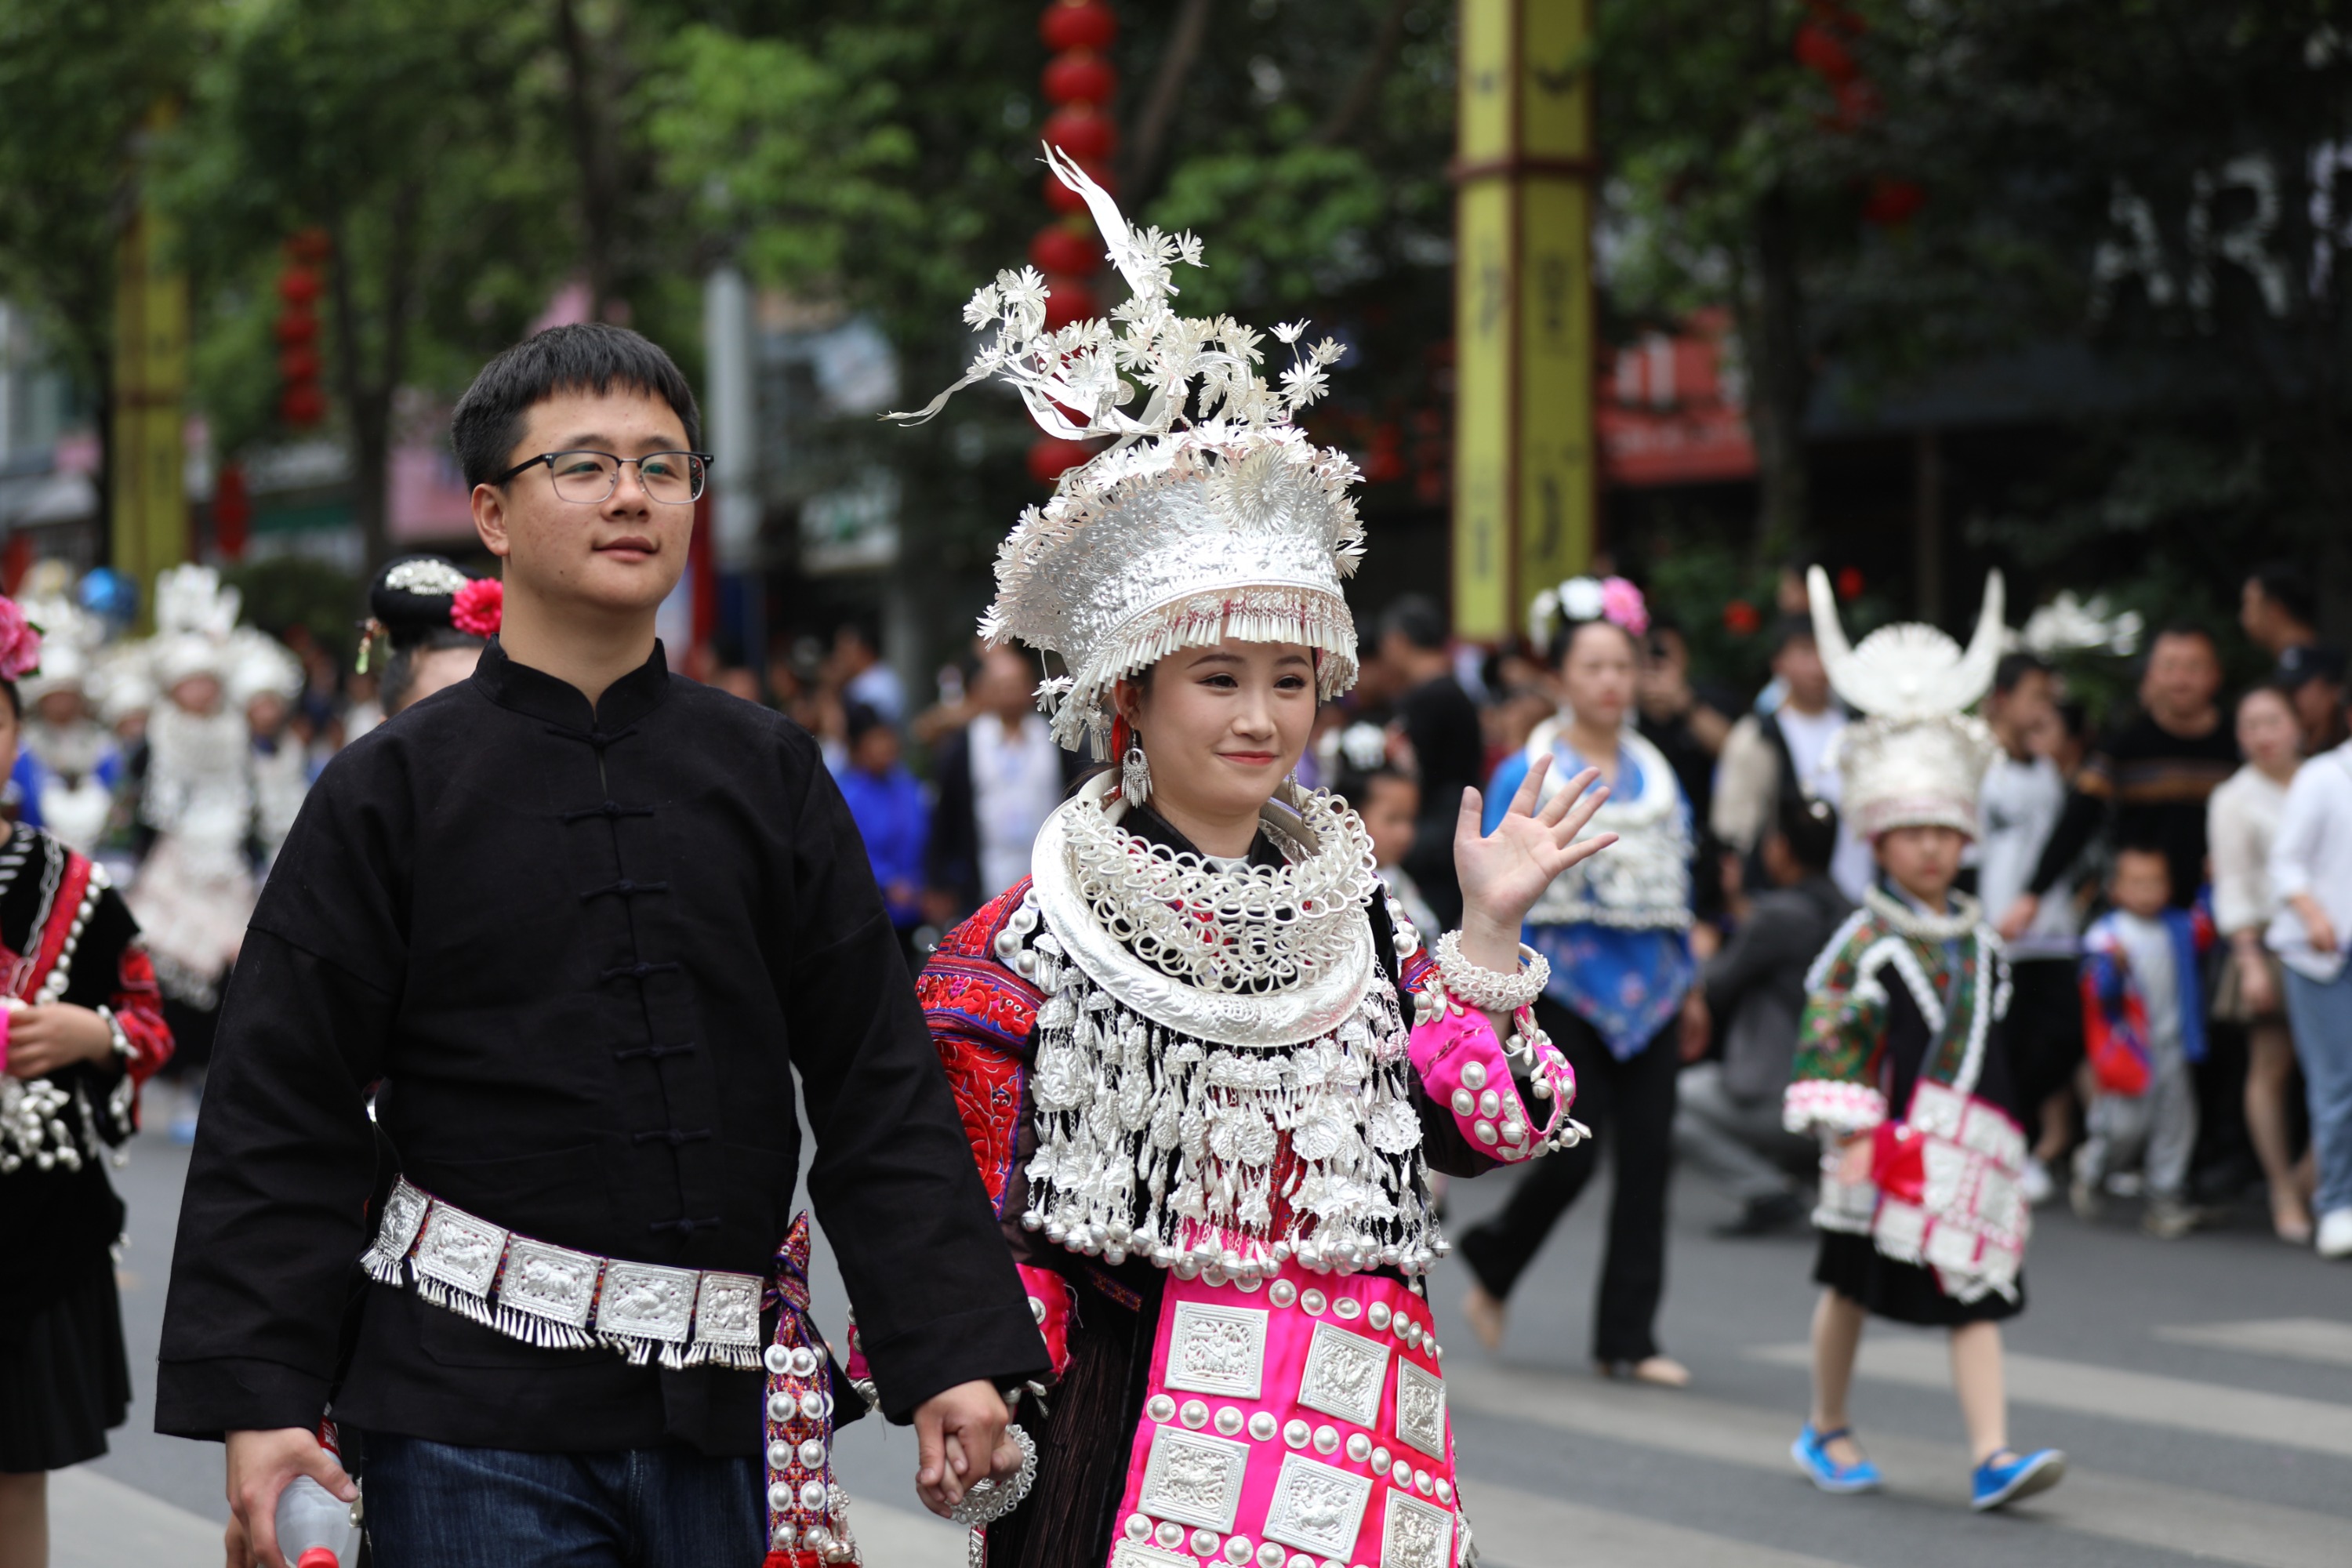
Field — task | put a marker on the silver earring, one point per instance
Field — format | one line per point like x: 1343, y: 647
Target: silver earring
x: 1135, y: 776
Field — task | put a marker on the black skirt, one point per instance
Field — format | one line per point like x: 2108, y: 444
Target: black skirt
x: 1904, y: 1292
x: 65, y: 1377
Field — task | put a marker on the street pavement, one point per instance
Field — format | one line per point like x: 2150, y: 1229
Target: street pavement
x: 2202, y: 1390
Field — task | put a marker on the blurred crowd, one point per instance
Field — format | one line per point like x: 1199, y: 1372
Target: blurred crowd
x: 2173, y: 884
x: 2174, y: 888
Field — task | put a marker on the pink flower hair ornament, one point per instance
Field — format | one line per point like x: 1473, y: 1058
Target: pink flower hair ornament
x: 478, y: 608
x: 20, y: 642
x: 1583, y: 599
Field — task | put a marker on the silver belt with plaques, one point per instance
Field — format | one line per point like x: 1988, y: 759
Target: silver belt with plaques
x: 554, y: 1297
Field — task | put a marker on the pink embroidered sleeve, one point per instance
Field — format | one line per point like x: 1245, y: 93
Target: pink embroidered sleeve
x: 1463, y: 1068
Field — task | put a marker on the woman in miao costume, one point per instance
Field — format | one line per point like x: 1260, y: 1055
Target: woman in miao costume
x: 1205, y: 1066
x: 1616, y: 931
x: 1902, y: 1063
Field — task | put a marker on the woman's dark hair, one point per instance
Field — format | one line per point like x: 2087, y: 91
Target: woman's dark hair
x: 1355, y: 786
x: 16, y: 700
x: 399, y: 669
x: 1809, y: 827
x: 1563, y: 638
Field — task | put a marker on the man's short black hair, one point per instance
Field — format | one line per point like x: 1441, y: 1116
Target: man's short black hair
x: 1418, y: 620
x: 588, y: 356
x: 2289, y: 586
x: 1809, y: 827
x: 2014, y: 668
x: 2197, y: 629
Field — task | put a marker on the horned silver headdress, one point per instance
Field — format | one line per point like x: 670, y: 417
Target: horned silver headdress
x: 1211, y: 515
x: 1916, y: 758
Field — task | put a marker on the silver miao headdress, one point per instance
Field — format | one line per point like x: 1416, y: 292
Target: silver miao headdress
x: 1916, y: 758
x: 1211, y: 515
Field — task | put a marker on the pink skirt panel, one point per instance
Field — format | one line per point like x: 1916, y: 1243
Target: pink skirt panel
x: 1298, y: 1423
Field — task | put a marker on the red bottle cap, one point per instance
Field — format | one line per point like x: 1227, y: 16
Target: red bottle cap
x: 318, y: 1557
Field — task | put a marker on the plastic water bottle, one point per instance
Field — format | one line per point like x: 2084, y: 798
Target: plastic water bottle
x: 316, y: 1529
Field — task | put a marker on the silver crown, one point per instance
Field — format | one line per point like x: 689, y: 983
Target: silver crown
x: 1916, y: 758
x: 1211, y: 515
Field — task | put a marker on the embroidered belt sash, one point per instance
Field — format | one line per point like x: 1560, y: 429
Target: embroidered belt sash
x: 554, y: 1297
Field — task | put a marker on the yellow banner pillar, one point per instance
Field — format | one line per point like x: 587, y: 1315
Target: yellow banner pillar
x: 149, y: 526
x: 1526, y: 476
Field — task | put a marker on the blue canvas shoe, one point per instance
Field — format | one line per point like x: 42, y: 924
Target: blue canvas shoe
x: 1811, y: 1452
x: 2005, y: 1478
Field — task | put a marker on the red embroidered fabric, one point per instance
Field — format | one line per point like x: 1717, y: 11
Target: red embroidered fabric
x: 981, y: 1012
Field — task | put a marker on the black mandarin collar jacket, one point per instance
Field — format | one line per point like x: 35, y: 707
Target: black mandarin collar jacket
x: 583, y: 950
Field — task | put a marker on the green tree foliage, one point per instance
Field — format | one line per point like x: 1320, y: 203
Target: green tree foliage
x: 84, y: 83
x: 402, y: 128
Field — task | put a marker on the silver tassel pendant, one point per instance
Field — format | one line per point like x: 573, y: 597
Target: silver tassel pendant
x: 1135, y: 776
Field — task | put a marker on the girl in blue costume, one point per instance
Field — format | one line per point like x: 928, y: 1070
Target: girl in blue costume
x: 1616, y: 931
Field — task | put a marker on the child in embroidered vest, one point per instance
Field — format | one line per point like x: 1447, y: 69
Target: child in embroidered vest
x: 2143, y: 1023
x: 1903, y: 1064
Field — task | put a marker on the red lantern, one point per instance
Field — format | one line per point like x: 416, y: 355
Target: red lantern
x: 1077, y: 25
x: 298, y: 286
x: 1068, y: 300
x: 1818, y: 51
x: 295, y: 327
x: 303, y: 404
x: 1062, y: 247
x: 1740, y: 619
x: 298, y: 364
x: 1050, y: 458
x: 1081, y: 132
x: 1892, y: 203
x: 1849, y: 583
x: 310, y: 247
x: 1079, y: 77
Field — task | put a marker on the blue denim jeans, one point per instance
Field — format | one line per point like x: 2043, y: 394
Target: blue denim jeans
x: 2322, y: 1018
x: 431, y: 1505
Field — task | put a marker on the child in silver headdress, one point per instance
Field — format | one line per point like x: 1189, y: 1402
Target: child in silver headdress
x: 1903, y: 1064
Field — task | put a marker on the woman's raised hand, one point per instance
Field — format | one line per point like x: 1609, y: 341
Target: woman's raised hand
x: 1503, y: 872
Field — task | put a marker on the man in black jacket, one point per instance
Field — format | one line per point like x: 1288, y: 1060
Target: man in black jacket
x: 576, y: 923
x: 1728, y: 1115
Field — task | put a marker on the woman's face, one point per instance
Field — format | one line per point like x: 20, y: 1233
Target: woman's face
x: 1222, y: 725
x: 10, y: 724
x: 1597, y: 673
x: 2267, y: 730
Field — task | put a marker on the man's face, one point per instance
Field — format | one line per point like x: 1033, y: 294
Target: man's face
x: 1798, y: 666
x: 1003, y: 686
x: 620, y: 555
x: 2317, y: 703
x: 2024, y: 708
x: 2182, y: 677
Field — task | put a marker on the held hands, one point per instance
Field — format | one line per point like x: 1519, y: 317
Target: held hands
x: 261, y: 1465
x: 47, y: 1039
x: 960, y: 1438
x: 1502, y: 873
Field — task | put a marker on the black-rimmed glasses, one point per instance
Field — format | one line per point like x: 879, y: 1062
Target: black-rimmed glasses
x: 674, y: 478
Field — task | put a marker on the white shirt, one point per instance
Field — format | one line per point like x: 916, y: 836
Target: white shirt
x: 2312, y: 854
x: 2019, y: 808
x: 2148, y: 947
x: 1016, y: 783
x: 1809, y: 737
x: 2241, y: 819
